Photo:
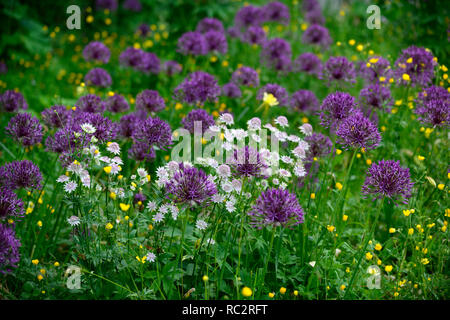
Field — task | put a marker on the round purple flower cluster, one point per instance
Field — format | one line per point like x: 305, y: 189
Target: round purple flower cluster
x: 319, y: 146
x: 24, y: 129
x: 12, y: 101
x: 433, y: 106
x: 357, y: 131
x: 245, y: 76
x: 308, y: 62
x: 96, y: 51
x: 374, y: 69
x: 90, y: 103
x: 231, y: 90
x: 339, y: 69
x: 276, y: 12
x: 129, y: 122
x: 98, y: 77
x: 416, y: 62
x: 210, y: 24
x: 111, y: 5
x: 140, y: 60
x: 150, y: 101
x: 197, y: 115
x: 247, y: 162
x: 56, y: 116
x: 216, y: 41
x: 193, y: 43
x: 20, y: 174
x: 117, y: 103
x: 336, y: 107
x: 254, y: 35
x: 278, y: 92
x: 248, y: 16
x: 276, y: 54
x: 375, y: 96
x: 132, y: 5
x: 172, y: 67
x: 197, y: 87
x: 10, y: 205
x: 304, y: 100
x: 316, y: 34
x: 9, y: 249
x: 276, y: 207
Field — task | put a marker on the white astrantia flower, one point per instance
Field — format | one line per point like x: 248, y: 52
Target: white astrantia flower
x: 227, y: 187
x: 306, y: 129
x: 212, y: 163
x: 281, y: 135
x: 287, y: 159
x: 142, y: 172
x: 256, y: 137
x: 267, y: 171
x: 214, y: 128
x: 151, y: 257
x: 283, y: 185
x: 94, y: 139
x: 73, y: 221
x: 282, y: 121
x: 86, y: 181
x: 304, y: 145
x: 175, y: 211
x: 158, y: 217
x: 228, y: 135
x: 117, y: 160
x: 224, y: 171
x: 237, y: 185
x: 70, y: 186
x: 226, y: 118
x: 151, y: 205
x: 264, y: 184
x: 227, y: 146
x: 275, y: 181
x: 88, y: 128
x: 201, y: 224
x: 254, y: 124
x: 299, y: 152
x: 75, y: 167
x: 210, y: 241
x: 113, y: 147
x: 229, y: 205
x: 294, y: 138
x: 284, y: 173
x: 217, y: 198
x: 62, y: 178
x: 120, y: 193
x: 240, y: 134
x: 270, y: 127
x: 164, y: 208
x: 115, y: 169
x: 98, y: 187
x: 299, y: 170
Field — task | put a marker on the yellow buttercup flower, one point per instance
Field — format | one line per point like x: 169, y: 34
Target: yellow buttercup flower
x: 406, y: 77
x: 124, y: 207
x: 369, y: 256
x: 246, y: 292
x: 109, y: 226
x: 270, y: 99
x: 271, y: 294
x: 282, y: 290
x: 338, y: 185
x: 107, y: 169
x: 313, y: 195
x: 344, y: 217
x: 35, y: 261
x: 378, y: 247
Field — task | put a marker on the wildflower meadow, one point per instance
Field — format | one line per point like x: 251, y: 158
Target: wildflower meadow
x: 224, y: 150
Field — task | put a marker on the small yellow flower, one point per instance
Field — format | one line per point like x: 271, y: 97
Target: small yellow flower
x: 410, y: 60
x: 112, y: 195
x: 344, y: 217
x: 330, y: 228
x: 39, y: 224
x: 368, y: 162
x: 359, y: 47
x: 282, y: 290
x: 347, y: 270
x: 338, y: 185
x: 90, y: 19
x: 406, y: 77
x: 246, y: 292
x: 35, y: 261
x: 40, y: 277
x: 107, y: 169
x: 351, y: 42
x: 271, y: 294
x: 373, y: 60
x: 441, y: 186
x: 378, y: 247
x: 406, y: 212
x: 150, y: 227
x: 342, y: 287
x: 205, y: 278
x: 269, y: 99
x: 369, y: 256
x: 338, y: 151
x: 410, y: 231
x: 313, y: 195
x: 109, y: 226
x: 391, y: 230
x: 382, y: 79
x: 295, y: 292
x: 420, y: 158
x: 425, y: 261
x: 56, y: 264
x: 43, y: 271
x: 388, y: 268
x: 124, y: 207
x: 396, y: 294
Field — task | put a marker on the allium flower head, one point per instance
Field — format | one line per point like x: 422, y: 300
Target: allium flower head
x: 105, y: 130
x: 248, y: 16
x: 111, y: 5
x: 143, y: 30
x: 254, y: 35
x: 132, y: 5
x: 96, y: 51
x: 339, y: 69
x: 376, y: 96
x: 317, y: 35
x: 336, y: 107
x: 129, y: 122
x: 10, y: 205
x: 132, y: 57
x: 319, y: 146
x: 304, y: 100
x: 150, y: 101
x: 12, y: 101
x: 315, y: 17
x: 388, y: 179
x: 217, y: 42
x: 210, y: 24
x: 192, y: 43
x: 98, y: 77
x: 231, y: 90
x: 277, y: 54
x: 197, y: 87
x: 245, y: 76
x: 277, y: 91
x: 357, y: 131
x: 150, y: 63
x: 276, y: 207
x: 433, y: 106
x: 375, y: 70
x: 20, y: 174
x: 191, y: 186
x: 9, y: 249
x: 276, y: 12
x: 56, y: 116
x: 90, y: 103
x: 308, y: 62
x: 197, y: 115
x: 24, y: 129
x: 116, y: 104
x: 172, y: 67
x: 418, y: 64
x: 247, y: 162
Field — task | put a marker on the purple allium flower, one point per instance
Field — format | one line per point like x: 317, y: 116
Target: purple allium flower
x: 105, y: 130
x: 276, y: 54
x: 317, y: 35
x: 111, y: 5
x: 375, y: 96
x: 56, y: 116
x: 132, y: 5
x: 172, y: 67
x: 129, y: 122
x: 24, y: 129
x: 90, y: 103
x: 233, y: 32
x: 217, y: 42
x: 9, y: 249
x: 379, y: 67
x: 12, y: 101
x: 192, y: 43
x: 416, y: 62
x: 278, y: 92
x: 98, y: 77
x: 388, y: 179
x: 357, y: 131
x: 150, y: 63
x: 117, y: 103
x: 433, y: 106
x: 65, y: 141
x: 96, y: 51
x: 192, y: 186
x: 339, y: 69
x: 210, y: 24
x: 308, y: 62
x: 254, y: 35
x: 310, y: 5
x: 150, y: 101
x: 248, y: 16
x: 276, y: 207
x: 245, y: 76
x: 304, y: 100
x: 10, y: 205
x: 315, y: 17
x: 197, y: 87
x: 197, y: 115
x: 319, y: 146
x: 3, y: 68
x: 147, y: 134
x: 276, y: 12
x: 132, y: 57
x: 20, y: 174
x: 336, y: 107
x: 143, y: 29
x: 231, y: 90
x: 139, y: 197
x: 247, y: 162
